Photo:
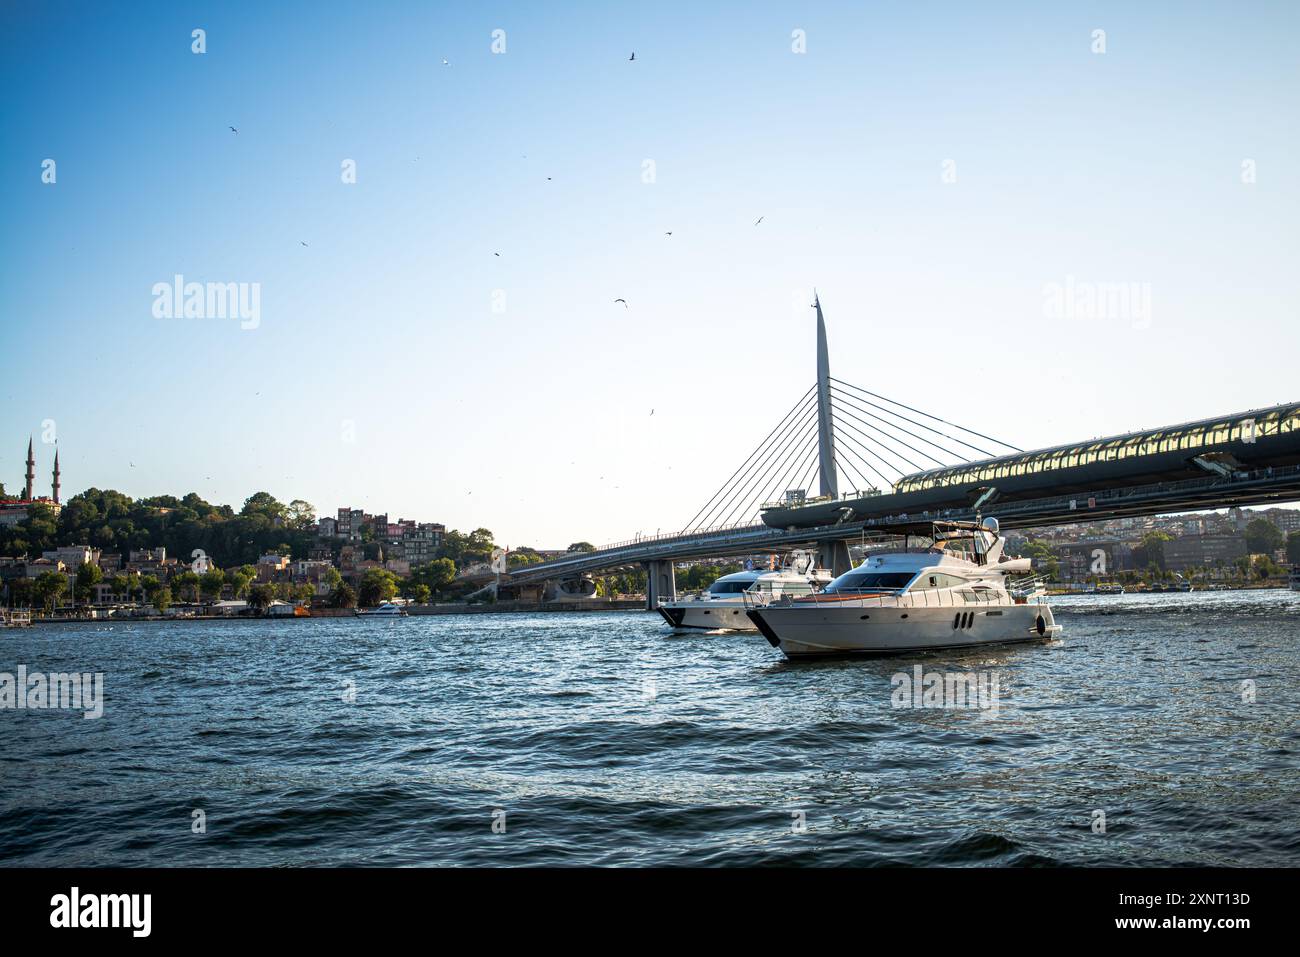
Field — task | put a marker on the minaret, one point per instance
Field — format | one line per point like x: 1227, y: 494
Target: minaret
x: 56, y: 476
x: 29, y: 490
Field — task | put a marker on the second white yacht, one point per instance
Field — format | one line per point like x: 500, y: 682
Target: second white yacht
x: 722, y: 605
x: 954, y: 590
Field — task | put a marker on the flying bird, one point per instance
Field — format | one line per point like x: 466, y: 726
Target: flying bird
x: 233, y: 130
x: 444, y: 62
x: 496, y: 254
x: 669, y: 233
x: 652, y: 411
x: 757, y: 221
x: 302, y: 242
x: 623, y: 301
x: 632, y: 57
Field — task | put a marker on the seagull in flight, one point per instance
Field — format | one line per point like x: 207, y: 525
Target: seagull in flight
x: 759, y: 220
x: 233, y: 130
x: 668, y: 233
x: 444, y: 62
x: 632, y: 57
x: 302, y: 242
x: 623, y: 301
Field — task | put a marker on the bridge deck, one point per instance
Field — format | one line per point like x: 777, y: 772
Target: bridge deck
x: 1264, y: 486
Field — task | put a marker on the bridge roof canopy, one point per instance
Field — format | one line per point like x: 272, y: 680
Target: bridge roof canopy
x: 1190, y: 436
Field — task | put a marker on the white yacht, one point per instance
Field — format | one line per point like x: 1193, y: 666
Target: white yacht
x: 722, y: 605
x: 386, y: 610
x: 948, y: 586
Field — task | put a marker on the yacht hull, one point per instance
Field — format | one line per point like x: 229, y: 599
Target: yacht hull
x: 707, y: 616
x: 810, y: 631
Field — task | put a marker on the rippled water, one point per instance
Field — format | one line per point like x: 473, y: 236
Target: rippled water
x: 606, y: 740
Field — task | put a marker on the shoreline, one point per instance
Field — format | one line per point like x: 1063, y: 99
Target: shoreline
x: 415, y: 611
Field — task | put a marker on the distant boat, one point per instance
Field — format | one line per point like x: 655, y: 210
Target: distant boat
x: 386, y: 610
x: 13, y: 618
x: 722, y: 606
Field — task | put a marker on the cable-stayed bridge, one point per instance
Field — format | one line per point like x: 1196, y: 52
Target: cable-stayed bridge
x: 875, y: 461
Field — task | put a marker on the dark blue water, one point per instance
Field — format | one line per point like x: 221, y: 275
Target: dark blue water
x: 608, y: 741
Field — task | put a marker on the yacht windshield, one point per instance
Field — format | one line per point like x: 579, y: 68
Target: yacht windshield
x: 728, y: 588
x: 851, y: 582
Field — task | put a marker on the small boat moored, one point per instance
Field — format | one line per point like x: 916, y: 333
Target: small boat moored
x: 386, y: 610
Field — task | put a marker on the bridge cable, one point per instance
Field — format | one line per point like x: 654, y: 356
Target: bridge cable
x: 775, y: 467
x: 936, y: 418
x: 779, y: 467
x: 808, y: 456
x: 761, y: 445
x: 848, y: 404
x: 756, y: 477
x: 878, y: 435
x: 850, y: 444
x: 858, y: 447
x: 755, y: 458
x: 846, y: 465
x: 753, y: 480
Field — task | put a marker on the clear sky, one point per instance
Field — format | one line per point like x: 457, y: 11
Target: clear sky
x: 380, y: 375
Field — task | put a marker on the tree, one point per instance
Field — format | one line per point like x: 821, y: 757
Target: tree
x: 299, y: 515
x: 343, y: 596
x: 88, y: 576
x: 122, y: 585
x: 1150, y: 552
x: 211, y: 583
x: 1293, y: 548
x: 523, y: 556
x: 581, y: 547
x: 161, y: 599
x: 1263, y: 537
x: 49, y: 588
x: 1044, y: 558
x: 239, y: 578
x: 188, y: 583
x: 468, y: 549
x: 262, y: 503
x: 377, y: 586
x: 421, y: 594
x: 21, y: 592
x: 436, y: 574
x: 260, y: 597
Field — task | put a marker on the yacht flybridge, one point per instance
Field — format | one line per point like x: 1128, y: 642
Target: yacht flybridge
x: 946, y: 585
x: 722, y: 605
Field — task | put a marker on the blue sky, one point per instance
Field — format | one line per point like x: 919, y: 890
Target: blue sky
x: 1120, y: 167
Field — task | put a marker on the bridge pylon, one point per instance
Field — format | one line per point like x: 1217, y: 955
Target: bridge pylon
x: 832, y: 555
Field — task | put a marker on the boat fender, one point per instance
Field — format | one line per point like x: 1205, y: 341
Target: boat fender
x: 1041, y: 625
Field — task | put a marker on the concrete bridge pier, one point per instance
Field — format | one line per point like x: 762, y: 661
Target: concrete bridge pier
x: 660, y: 583
x: 835, y: 556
